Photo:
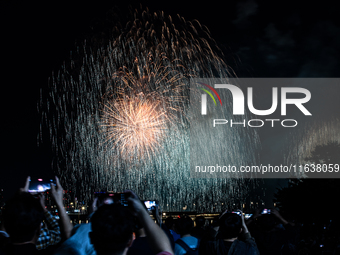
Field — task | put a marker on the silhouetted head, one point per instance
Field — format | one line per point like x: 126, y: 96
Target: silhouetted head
x: 169, y: 222
x: 200, y: 221
x: 230, y: 226
x: 267, y: 222
x: 112, y: 229
x: 184, y: 225
x: 22, y: 216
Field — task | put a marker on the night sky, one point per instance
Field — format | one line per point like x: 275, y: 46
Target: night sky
x: 259, y: 39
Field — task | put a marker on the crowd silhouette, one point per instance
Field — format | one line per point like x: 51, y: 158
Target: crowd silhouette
x: 126, y: 227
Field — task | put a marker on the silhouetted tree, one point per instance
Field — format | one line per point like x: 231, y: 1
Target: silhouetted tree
x: 312, y: 199
x: 325, y: 154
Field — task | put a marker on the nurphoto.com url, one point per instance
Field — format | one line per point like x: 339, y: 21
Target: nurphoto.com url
x: 268, y: 168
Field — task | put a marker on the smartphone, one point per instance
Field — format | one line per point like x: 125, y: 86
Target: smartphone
x: 108, y: 197
x: 265, y: 211
x: 247, y: 216
x: 40, y: 185
x: 150, y: 204
x: 238, y: 213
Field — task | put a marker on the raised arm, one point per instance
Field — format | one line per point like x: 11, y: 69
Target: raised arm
x: 247, y: 237
x: 279, y: 216
x: 156, y: 236
x: 244, y: 225
x: 65, y: 221
x: 50, y: 233
x: 257, y: 213
x: 157, y: 215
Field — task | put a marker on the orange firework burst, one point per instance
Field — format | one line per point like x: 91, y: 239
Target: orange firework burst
x: 136, y: 126
x: 141, y: 105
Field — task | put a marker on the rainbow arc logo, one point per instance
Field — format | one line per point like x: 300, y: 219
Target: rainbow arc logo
x: 204, y: 97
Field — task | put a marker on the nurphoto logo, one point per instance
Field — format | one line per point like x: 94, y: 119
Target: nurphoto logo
x: 238, y: 104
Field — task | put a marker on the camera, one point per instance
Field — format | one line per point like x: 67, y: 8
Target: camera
x: 40, y: 185
x: 109, y: 197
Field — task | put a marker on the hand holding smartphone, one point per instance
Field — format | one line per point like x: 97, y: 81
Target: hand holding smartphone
x: 150, y: 204
x: 107, y: 197
x: 40, y: 185
x: 237, y: 212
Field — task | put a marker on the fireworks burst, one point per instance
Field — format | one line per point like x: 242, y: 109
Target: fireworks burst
x: 140, y: 106
x: 135, y: 126
x: 117, y: 114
